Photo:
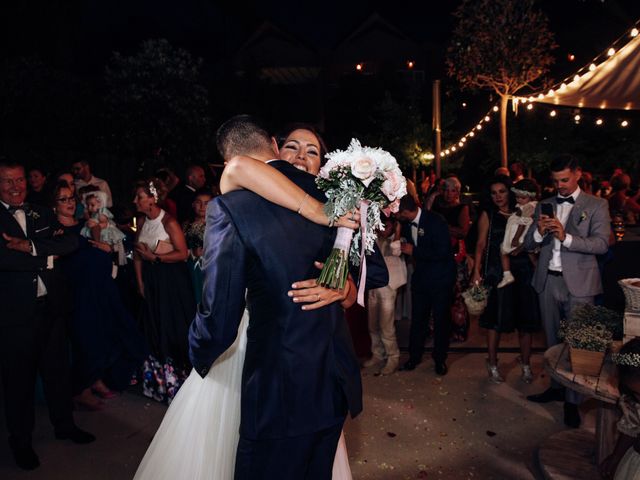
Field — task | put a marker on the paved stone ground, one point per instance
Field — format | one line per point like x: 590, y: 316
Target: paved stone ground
x: 415, y: 425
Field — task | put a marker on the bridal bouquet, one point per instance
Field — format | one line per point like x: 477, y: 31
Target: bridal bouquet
x: 363, y: 178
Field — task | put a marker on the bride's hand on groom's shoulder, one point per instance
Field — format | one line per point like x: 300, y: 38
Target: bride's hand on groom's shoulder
x: 313, y: 296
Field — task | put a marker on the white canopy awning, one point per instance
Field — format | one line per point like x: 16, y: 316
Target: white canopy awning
x: 614, y: 84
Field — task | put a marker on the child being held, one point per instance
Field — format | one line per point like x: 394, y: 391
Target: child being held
x: 624, y: 462
x: 100, y: 226
x: 526, y: 191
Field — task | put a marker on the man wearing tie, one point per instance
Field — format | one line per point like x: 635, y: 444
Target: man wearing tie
x: 32, y: 325
x: 575, y: 228
x: 429, y: 246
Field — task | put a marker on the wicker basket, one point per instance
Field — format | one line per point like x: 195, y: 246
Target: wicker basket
x: 631, y: 294
x: 474, y: 307
x: 586, y: 362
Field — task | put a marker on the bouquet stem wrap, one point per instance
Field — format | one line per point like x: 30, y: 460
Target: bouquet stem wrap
x: 364, y: 207
x: 336, y: 268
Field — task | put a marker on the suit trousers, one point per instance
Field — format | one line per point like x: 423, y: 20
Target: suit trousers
x: 381, y: 312
x: 556, y: 304
x: 434, y: 301
x: 305, y: 457
x: 37, y: 345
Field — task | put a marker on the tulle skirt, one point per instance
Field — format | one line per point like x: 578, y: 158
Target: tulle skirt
x: 198, y: 437
x: 199, y: 434
x: 629, y: 466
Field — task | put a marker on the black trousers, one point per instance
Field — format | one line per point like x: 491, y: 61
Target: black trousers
x: 434, y: 301
x: 306, y: 457
x: 38, y: 345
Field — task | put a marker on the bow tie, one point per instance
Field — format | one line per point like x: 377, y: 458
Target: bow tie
x: 561, y: 200
x: 413, y: 225
x: 12, y: 210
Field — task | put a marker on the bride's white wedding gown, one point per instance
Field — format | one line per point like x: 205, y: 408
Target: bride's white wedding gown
x: 198, y: 436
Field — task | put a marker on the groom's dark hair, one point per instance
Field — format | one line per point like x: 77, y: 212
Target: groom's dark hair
x: 242, y: 135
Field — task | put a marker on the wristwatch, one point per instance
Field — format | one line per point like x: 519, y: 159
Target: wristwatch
x: 157, y: 259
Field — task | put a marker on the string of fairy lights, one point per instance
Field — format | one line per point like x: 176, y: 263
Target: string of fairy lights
x: 558, y: 87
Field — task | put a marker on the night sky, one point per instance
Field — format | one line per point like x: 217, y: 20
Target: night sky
x: 81, y: 34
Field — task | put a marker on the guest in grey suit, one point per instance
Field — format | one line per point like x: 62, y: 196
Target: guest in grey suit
x: 567, y: 274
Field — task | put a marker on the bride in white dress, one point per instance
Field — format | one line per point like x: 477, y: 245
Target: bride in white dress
x: 198, y: 436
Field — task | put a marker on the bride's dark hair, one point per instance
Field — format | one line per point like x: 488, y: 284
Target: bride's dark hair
x: 290, y: 127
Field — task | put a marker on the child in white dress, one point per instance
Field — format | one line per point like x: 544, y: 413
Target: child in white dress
x: 100, y: 226
x: 526, y: 191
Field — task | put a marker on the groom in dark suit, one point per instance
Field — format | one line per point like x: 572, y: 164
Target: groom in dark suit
x: 32, y: 324
x: 300, y: 376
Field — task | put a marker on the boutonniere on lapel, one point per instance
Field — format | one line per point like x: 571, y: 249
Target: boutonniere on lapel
x: 583, y: 217
x: 421, y: 232
x: 32, y: 214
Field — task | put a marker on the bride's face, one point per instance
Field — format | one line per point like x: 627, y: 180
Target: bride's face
x: 302, y: 149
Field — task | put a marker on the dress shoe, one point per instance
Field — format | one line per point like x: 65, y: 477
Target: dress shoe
x: 549, y: 395
x: 390, y: 367
x: 409, y: 365
x: 441, y: 368
x: 24, y: 456
x: 75, y: 435
x: 571, y: 415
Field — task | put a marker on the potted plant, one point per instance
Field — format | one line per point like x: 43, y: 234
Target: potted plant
x: 589, y: 332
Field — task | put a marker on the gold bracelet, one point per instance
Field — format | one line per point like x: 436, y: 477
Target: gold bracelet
x: 302, y: 203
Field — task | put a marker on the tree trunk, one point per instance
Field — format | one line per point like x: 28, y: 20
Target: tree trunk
x: 504, y: 104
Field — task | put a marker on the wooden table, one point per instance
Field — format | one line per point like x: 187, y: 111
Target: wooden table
x: 576, y: 453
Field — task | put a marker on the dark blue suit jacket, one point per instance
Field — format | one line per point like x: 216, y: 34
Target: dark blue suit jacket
x: 433, y: 256
x: 300, y: 371
x: 19, y: 271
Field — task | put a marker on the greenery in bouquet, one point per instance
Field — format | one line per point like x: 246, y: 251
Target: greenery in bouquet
x: 363, y: 178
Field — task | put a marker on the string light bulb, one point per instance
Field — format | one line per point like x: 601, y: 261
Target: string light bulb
x: 530, y: 106
x: 359, y: 67
x: 471, y: 134
x: 553, y: 113
x: 576, y: 77
x: 410, y: 64
x: 634, y: 32
x: 495, y: 108
x: 592, y: 67
x: 611, y: 52
x: 453, y: 149
x: 599, y: 122
x: 577, y: 118
x: 487, y: 118
x: 624, y: 123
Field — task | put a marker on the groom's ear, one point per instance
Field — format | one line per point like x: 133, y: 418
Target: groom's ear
x: 274, y: 146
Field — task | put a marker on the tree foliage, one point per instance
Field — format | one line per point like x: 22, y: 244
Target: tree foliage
x: 399, y: 128
x: 156, y: 103
x: 503, y: 45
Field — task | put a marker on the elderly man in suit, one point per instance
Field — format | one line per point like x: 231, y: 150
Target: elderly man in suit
x: 33, y: 323
x: 572, y: 228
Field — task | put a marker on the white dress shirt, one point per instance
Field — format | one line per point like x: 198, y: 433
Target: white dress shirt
x: 562, y: 213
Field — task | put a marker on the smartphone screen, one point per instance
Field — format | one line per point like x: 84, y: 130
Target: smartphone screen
x: 547, y: 209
